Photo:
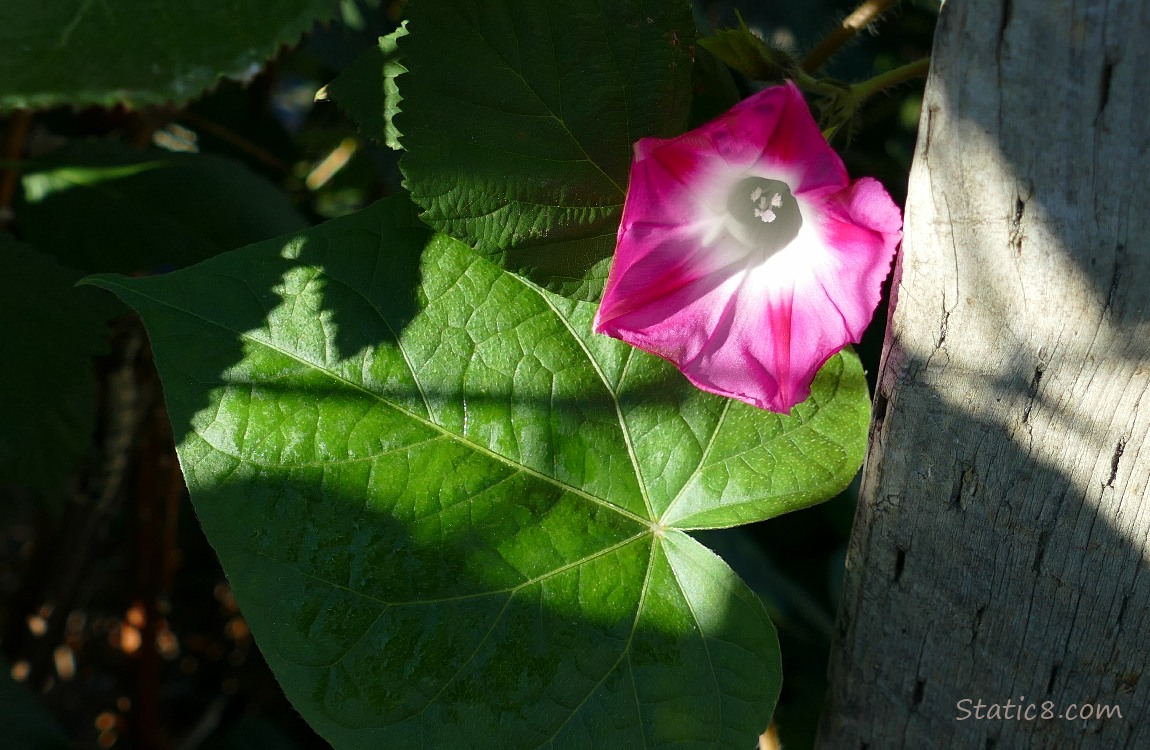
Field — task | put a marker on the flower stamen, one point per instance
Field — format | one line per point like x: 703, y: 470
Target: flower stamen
x: 769, y: 221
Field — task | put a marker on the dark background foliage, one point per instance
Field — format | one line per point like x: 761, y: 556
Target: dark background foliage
x: 114, y: 611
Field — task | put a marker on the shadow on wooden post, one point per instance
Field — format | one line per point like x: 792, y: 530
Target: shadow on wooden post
x: 1000, y: 543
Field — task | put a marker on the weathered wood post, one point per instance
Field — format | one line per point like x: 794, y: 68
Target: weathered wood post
x: 1000, y: 551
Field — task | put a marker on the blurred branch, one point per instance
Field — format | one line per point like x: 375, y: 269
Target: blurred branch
x: 86, y: 522
x: 858, y: 20
x: 13, y: 149
x: 230, y: 137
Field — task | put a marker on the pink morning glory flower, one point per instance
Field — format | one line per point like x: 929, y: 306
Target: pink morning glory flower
x: 746, y: 256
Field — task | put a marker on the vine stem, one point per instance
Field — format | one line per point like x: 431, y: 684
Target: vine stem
x: 851, y: 25
x: 860, y: 92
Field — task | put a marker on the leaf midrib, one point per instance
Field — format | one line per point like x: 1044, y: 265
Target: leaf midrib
x: 462, y: 597
x: 425, y: 421
x: 623, y: 427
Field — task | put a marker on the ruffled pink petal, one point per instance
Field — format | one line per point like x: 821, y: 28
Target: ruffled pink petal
x: 860, y: 227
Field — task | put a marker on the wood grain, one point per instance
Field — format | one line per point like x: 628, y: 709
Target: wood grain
x: 1000, y: 548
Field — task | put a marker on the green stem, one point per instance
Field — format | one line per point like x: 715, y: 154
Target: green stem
x: 824, y: 86
x: 860, y: 92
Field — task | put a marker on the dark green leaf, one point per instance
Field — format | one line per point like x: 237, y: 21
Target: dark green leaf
x: 750, y: 55
x: 518, y: 118
x: 129, y: 210
x: 714, y: 88
x: 368, y: 91
x: 453, y: 515
x: 138, y: 52
x: 49, y: 331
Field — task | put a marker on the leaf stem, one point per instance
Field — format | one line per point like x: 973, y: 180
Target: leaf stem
x: 851, y: 25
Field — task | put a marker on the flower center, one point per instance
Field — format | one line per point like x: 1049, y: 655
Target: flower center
x: 763, y: 214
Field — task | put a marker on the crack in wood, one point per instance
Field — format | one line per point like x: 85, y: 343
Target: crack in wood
x: 878, y: 410
x: 929, y: 130
x: 1115, y: 277
x: 966, y: 488
x: 1032, y: 391
x: 1114, y: 459
x: 1104, y: 87
x: 1122, y: 609
x: 976, y: 626
x: 942, y: 328
x: 1004, y: 21
x: 916, y: 697
x: 1043, y: 540
x: 1016, y: 235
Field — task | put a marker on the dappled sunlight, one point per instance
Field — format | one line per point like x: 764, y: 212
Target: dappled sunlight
x: 1001, y: 542
x: 1056, y: 341
x: 446, y: 505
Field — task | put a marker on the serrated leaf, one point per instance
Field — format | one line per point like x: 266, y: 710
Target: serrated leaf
x: 49, y: 331
x: 454, y: 516
x: 138, y: 52
x: 519, y: 116
x: 745, y: 52
x: 368, y: 91
x: 131, y: 210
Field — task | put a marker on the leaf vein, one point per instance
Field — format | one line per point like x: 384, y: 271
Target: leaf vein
x: 426, y: 421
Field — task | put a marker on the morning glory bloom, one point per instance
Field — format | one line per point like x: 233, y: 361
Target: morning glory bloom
x: 746, y: 256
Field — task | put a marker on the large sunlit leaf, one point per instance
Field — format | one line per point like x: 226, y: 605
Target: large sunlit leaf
x: 138, y: 51
x: 518, y: 118
x: 454, y: 517
x: 49, y: 331
x: 131, y: 210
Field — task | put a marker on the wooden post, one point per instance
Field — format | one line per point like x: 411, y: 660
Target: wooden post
x: 1001, y: 543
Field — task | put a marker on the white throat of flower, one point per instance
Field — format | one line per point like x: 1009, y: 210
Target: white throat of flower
x: 762, y: 215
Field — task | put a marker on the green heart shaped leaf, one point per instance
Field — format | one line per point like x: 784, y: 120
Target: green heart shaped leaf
x: 138, y: 52
x: 519, y: 116
x: 454, y: 516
